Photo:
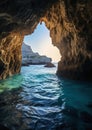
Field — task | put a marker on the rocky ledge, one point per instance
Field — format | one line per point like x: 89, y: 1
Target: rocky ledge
x: 30, y: 57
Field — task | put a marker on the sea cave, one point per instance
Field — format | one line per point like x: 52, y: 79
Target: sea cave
x: 70, y: 30
x: 35, y: 97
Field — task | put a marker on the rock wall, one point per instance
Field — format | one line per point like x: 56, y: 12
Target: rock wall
x: 70, y: 25
x: 10, y: 55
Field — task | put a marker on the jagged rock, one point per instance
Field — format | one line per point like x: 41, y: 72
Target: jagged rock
x: 70, y: 25
x: 29, y: 57
x: 49, y: 65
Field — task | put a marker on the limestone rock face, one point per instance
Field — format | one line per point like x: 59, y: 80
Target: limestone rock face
x: 29, y: 57
x: 70, y: 25
x: 10, y: 55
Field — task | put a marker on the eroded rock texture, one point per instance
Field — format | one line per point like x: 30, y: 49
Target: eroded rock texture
x: 10, y: 55
x: 70, y: 25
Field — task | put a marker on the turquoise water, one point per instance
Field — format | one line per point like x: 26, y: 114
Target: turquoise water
x: 37, y: 99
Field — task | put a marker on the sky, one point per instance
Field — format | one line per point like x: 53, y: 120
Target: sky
x: 40, y: 42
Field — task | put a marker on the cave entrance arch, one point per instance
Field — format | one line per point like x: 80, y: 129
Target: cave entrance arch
x: 37, y: 48
x: 70, y: 29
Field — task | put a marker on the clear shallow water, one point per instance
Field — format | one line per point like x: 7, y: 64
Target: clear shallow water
x: 37, y: 99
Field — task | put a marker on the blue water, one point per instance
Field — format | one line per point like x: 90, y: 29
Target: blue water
x: 36, y: 99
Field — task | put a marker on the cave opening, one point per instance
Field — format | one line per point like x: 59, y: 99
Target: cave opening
x: 41, y: 45
x: 37, y: 98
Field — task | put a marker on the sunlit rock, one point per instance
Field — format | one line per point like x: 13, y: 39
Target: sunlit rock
x: 10, y: 55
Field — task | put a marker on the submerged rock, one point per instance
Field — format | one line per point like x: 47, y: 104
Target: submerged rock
x: 30, y: 57
x: 89, y: 105
x: 86, y: 117
x: 49, y: 65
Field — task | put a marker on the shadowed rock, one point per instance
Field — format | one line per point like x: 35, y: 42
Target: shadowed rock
x: 86, y: 117
x: 49, y: 65
x: 89, y: 105
x: 3, y: 127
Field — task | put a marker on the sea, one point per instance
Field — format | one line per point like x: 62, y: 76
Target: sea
x: 37, y: 99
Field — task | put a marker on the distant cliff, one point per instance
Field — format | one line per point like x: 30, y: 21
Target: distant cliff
x: 30, y: 57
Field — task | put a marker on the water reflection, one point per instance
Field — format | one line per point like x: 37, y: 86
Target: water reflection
x: 37, y: 100
x: 77, y: 112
